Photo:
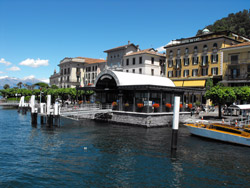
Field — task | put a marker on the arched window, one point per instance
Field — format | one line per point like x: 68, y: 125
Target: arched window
x: 205, y: 47
x: 215, y: 45
x: 195, y: 49
x: 186, y: 51
x: 178, y: 52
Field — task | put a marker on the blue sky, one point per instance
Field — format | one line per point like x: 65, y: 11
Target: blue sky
x: 36, y: 34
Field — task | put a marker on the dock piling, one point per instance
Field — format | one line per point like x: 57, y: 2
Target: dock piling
x: 175, y: 125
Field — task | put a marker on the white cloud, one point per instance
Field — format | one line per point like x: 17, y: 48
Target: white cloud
x: 161, y: 49
x: 1, y: 72
x: 14, y: 68
x: 46, y: 80
x: 35, y: 63
x: 29, y: 77
x: 2, y: 60
x: 3, y: 77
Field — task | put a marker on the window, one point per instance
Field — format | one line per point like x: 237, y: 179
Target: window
x: 133, y: 70
x: 186, y: 51
x: 64, y: 71
x: 178, y: 63
x: 178, y: 52
x: 152, y: 72
x: 195, y: 72
x: 234, y: 59
x: 140, y: 71
x: 78, y: 78
x: 127, y: 62
x: 195, y: 49
x: 204, y: 60
x: 170, y: 63
x: 214, y: 58
x: 152, y: 60
x: 114, y: 56
x: 178, y: 73
x: 186, y: 73
x: 195, y: 60
x: 235, y: 73
x: 215, y: 45
x: 186, y: 61
x: 214, y: 71
x: 204, y: 71
x: 126, y: 70
x: 140, y: 60
x: 205, y: 48
x: 133, y: 61
x: 68, y: 70
x: 111, y: 57
x: 170, y: 74
x: 171, y: 53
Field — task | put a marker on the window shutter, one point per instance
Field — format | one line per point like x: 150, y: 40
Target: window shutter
x: 206, y: 59
x: 211, y: 58
x: 217, y: 58
x: 193, y: 60
x: 188, y: 61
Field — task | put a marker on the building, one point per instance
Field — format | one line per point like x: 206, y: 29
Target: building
x: 79, y: 71
x: 192, y: 61
x: 236, y: 66
x: 54, y: 79
x: 148, y: 62
x: 115, y: 55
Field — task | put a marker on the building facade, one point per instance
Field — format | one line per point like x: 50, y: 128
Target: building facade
x: 192, y: 61
x: 54, y: 79
x: 79, y: 71
x: 148, y: 62
x: 115, y: 55
x: 236, y: 65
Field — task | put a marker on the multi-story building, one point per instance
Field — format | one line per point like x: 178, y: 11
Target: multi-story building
x: 79, y: 71
x: 191, y: 61
x: 115, y: 55
x: 54, y: 79
x: 148, y: 62
x: 236, y: 67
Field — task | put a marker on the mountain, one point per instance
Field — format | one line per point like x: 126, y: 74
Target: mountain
x: 238, y: 23
x: 12, y: 81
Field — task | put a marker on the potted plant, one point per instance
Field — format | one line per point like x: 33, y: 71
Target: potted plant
x: 168, y: 107
x: 126, y: 106
x: 156, y: 106
x: 140, y: 106
x: 114, y: 105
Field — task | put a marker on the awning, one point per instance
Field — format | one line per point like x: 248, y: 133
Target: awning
x: 178, y: 83
x: 241, y: 107
x: 194, y: 83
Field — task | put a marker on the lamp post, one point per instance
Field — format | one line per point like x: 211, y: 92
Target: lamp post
x: 40, y: 95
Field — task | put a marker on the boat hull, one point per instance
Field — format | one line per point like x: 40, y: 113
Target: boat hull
x: 226, y: 137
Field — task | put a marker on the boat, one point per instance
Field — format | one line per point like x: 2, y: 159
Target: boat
x: 220, y: 131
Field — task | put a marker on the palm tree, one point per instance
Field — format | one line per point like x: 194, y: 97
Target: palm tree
x: 20, y: 84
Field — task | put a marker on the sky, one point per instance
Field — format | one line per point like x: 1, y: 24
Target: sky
x: 35, y: 35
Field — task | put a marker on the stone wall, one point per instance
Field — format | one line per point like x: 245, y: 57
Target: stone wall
x: 146, y: 120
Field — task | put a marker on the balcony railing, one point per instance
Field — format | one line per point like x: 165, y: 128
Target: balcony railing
x: 239, y: 62
x: 238, y: 77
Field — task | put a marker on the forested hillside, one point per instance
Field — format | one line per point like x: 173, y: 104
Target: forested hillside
x: 238, y: 23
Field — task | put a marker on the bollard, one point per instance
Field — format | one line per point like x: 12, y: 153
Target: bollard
x: 175, y: 125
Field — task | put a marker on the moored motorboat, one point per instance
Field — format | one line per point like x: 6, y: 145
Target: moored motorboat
x: 220, y: 132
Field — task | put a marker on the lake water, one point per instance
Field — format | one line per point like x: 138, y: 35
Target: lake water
x: 114, y: 156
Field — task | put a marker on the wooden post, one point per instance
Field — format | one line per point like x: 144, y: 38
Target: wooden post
x: 175, y: 125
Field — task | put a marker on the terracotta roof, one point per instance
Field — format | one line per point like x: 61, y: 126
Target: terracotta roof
x: 238, y: 45
x: 120, y: 47
x: 146, y: 51
x: 92, y: 60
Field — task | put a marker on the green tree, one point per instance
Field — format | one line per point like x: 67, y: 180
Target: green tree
x: 19, y: 84
x: 6, y: 86
x: 41, y: 85
x: 220, y: 95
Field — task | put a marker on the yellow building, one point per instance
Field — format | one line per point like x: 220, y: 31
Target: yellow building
x: 236, y: 66
x: 192, y: 61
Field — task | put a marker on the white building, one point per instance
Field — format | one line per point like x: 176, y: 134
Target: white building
x: 115, y: 55
x: 148, y: 62
x: 79, y: 71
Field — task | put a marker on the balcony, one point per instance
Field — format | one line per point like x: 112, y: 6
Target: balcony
x: 245, y: 76
x: 239, y: 62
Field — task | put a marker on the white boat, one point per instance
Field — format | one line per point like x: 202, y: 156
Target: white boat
x: 220, y: 132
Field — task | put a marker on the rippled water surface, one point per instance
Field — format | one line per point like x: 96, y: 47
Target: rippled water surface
x: 94, y: 154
